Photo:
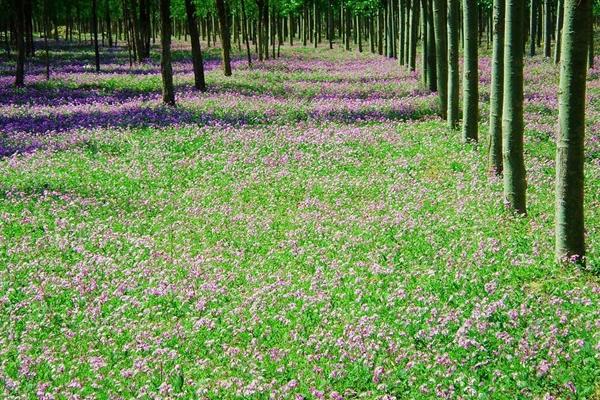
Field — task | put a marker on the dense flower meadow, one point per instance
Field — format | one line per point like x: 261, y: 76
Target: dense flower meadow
x: 306, y: 229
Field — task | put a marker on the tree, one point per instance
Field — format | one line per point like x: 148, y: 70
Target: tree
x: 570, y: 241
x: 166, y: 70
x: 431, y: 52
x: 225, y: 37
x: 95, y: 33
x: 20, y: 32
x: 532, y: 27
x: 547, y: 29
x: 496, y: 92
x: 414, y: 26
x: 512, y: 115
x: 471, y: 74
x: 199, y: 81
x: 441, y: 50
x: 453, y: 70
x: 559, y: 24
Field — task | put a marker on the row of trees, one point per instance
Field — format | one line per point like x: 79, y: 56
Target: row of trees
x: 393, y: 28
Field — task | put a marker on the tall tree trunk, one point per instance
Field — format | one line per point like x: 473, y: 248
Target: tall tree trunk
x: 441, y: 49
x: 46, y: 34
x: 424, y: 42
x: 245, y: 32
x: 471, y: 73
x: 559, y: 23
x: 348, y: 18
x: 547, y: 29
x: 199, y: 81
x: 20, y: 33
x: 414, y: 31
x: 380, y: 32
x: 108, y: 24
x: 403, y: 7
x: 225, y: 37
x: 453, y: 69
x: 166, y: 70
x: 570, y: 241
x: 532, y: 27
x: 512, y: 118
x: 330, y: 23
x: 431, y: 53
x: 95, y: 33
x: 591, y: 45
x: 496, y: 90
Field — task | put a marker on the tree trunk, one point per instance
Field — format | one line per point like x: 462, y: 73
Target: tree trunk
x: 20, y: 32
x: 245, y: 32
x: 532, y: 27
x: 109, y: 26
x: 414, y: 30
x: 199, y: 81
x: 425, y: 44
x: 547, y: 29
x: 496, y: 92
x: 431, y: 53
x: 453, y: 69
x: 570, y: 241
x: 95, y: 32
x: 166, y: 70
x: 225, y: 37
x: 471, y: 73
x: 559, y: 23
x: 512, y: 118
x: 441, y: 50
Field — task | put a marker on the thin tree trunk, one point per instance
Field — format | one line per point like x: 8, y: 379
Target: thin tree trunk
x: 245, y: 32
x: 425, y: 44
x: 95, y: 33
x: 414, y: 30
x: 441, y: 46
x: 559, y: 24
x: 20, y: 32
x: 431, y: 53
x: 166, y: 69
x: 532, y: 27
x: 453, y: 69
x: 547, y: 29
x: 512, y: 118
x: 570, y: 240
x: 496, y: 90
x: 471, y: 73
x: 46, y: 33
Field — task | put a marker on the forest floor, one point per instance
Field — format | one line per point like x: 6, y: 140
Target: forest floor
x: 305, y: 229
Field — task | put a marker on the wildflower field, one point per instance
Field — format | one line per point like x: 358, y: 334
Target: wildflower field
x: 306, y: 229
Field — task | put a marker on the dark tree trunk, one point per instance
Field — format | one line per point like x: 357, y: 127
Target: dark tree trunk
x: 471, y: 73
x: 166, y: 70
x: 441, y: 46
x: 559, y: 24
x: 225, y: 37
x: 199, y: 81
x: 95, y: 33
x: 431, y: 53
x: 414, y: 27
x: 532, y: 27
x: 245, y: 32
x: 547, y: 29
x: 20, y: 32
